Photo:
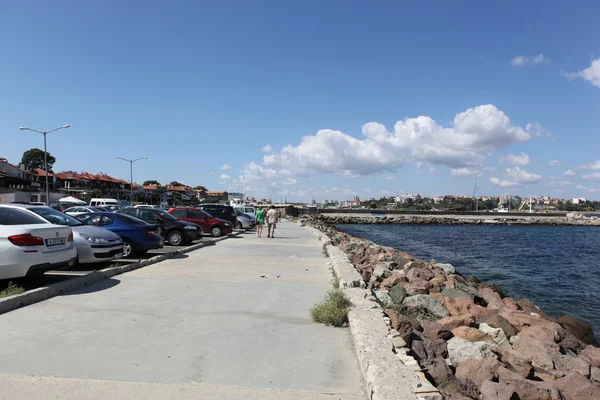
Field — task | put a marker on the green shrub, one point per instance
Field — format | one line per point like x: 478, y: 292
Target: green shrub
x: 11, y: 290
x: 325, y: 252
x: 333, y: 310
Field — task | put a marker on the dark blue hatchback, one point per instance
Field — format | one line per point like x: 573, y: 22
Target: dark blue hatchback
x: 138, y: 236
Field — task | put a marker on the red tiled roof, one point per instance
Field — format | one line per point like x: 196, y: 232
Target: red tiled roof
x: 217, y: 192
x: 39, y: 172
x: 178, y: 188
x: 154, y: 186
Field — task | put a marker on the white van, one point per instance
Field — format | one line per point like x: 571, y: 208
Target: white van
x: 103, y: 202
x: 251, y: 211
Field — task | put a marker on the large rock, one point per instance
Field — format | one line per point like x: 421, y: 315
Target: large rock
x: 423, y: 273
x: 459, y: 305
x: 496, y: 334
x: 497, y: 321
x: 571, y: 343
x: 582, y: 330
x: 565, y: 364
x: 419, y: 286
x: 479, y: 371
x: 426, y: 349
x: 529, y: 307
x: 495, y: 391
x: 546, y: 330
x: 438, y: 371
x: 528, y: 389
x: 455, y: 293
x: 434, y: 331
x: 401, y: 323
x: 471, y: 334
x: 576, y: 387
x: 429, y: 303
x: 540, y: 353
x: 520, y: 319
x: 492, y: 298
x: 397, y: 294
x: 395, y: 278
x: 514, y: 362
x: 460, y: 350
x: 448, y: 268
x: 591, y: 355
x: 381, y: 271
x: 383, y: 298
x: 456, y: 321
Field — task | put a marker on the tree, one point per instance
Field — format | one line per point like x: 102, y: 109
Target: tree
x: 34, y: 158
x: 152, y: 182
x: 200, y: 188
x: 175, y: 183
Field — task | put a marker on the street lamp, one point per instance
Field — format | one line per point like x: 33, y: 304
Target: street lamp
x: 131, y: 173
x: 45, y: 154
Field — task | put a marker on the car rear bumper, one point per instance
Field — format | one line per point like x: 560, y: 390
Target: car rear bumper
x: 39, y: 269
x: 15, y: 263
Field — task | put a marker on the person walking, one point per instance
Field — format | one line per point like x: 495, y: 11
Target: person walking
x: 259, y: 219
x: 272, y: 217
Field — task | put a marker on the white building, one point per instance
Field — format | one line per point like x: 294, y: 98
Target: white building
x: 579, y: 200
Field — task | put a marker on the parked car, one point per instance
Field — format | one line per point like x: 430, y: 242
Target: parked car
x: 221, y: 211
x: 244, y: 220
x: 103, y: 202
x: 213, y: 226
x: 112, y: 208
x: 174, y: 231
x: 93, y: 244
x: 251, y: 211
x: 62, y: 206
x: 30, y: 245
x: 74, y: 211
x: 138, y: 236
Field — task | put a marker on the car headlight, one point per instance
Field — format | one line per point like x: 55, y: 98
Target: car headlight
x: 94, y: 239
x: 227, y: 223
x: 191, y: 228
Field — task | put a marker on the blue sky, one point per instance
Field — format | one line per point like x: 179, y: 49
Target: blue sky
x: 329, y: 99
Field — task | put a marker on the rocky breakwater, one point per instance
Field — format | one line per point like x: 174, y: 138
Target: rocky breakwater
x: 570, y: 219
x: 470, y: 340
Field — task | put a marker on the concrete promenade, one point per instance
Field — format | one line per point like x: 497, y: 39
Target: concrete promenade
x: 229, y: 321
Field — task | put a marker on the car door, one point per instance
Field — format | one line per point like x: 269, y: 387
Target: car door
x: 198, y: 218
x: 181, y: 214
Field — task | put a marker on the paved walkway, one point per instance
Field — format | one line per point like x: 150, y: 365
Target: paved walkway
x: 229, y: 321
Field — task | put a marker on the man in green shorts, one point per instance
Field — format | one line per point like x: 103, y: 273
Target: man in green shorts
x: 259, y: 219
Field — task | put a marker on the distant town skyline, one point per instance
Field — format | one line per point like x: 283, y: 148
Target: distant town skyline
x: 335, y: 102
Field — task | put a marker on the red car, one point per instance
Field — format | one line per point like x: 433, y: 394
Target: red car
x: 213, y: 226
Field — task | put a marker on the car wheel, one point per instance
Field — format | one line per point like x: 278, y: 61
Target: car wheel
x: 128, y: 248
x: 216, y: 231
x: 175, y: 238
x: 239, y: 225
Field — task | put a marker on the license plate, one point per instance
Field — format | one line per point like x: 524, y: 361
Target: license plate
x: 55, y: 241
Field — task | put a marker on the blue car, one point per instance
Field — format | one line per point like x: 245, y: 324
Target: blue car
x: 138, y: 236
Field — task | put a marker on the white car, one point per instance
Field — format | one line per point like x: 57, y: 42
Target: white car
x: 77, y: 210
x: 31, y: 246
x: 243, y: 220
x: 93, y: 244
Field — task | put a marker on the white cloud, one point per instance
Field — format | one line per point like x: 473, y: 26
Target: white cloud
x: 593, y: 176
x: 516, y: 177
x: 419, y: 164
x: 225, y: 167
x: 266, y: 148
x: 389, y: 178
x: 515, y: 159
x: 580, y: 187
x: 590, y: 74
x: 290, y: 181
x: 595, y: 165
x: 224, y: 177
x: 520, y: 61
x: 569, y: 172
x: 560, y: 183
x: 554, y: 163
x: 480, y: 129
x: 464, y: 171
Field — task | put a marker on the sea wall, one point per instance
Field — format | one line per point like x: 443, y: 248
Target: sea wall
x: 491, y: 219
x: 469, y: 339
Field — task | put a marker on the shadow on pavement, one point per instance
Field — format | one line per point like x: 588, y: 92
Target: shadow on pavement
x: 95, y: 287
x: 178, y: 256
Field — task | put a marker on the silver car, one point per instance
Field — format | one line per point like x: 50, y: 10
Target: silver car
x: 244, y: 220
x: 93, y: 244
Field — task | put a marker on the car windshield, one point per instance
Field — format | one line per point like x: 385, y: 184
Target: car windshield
x: 56, y: 217
x: 14, y: 216
x: 166, y: 216
x: 206, y: 214
x: 130, y: 220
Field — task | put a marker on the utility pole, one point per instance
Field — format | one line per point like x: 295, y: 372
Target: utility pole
x: 45, y: 155
x: 131, y: 174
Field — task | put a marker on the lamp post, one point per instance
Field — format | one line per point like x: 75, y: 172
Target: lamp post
x: 45, y: 154
x: 131, y: 173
